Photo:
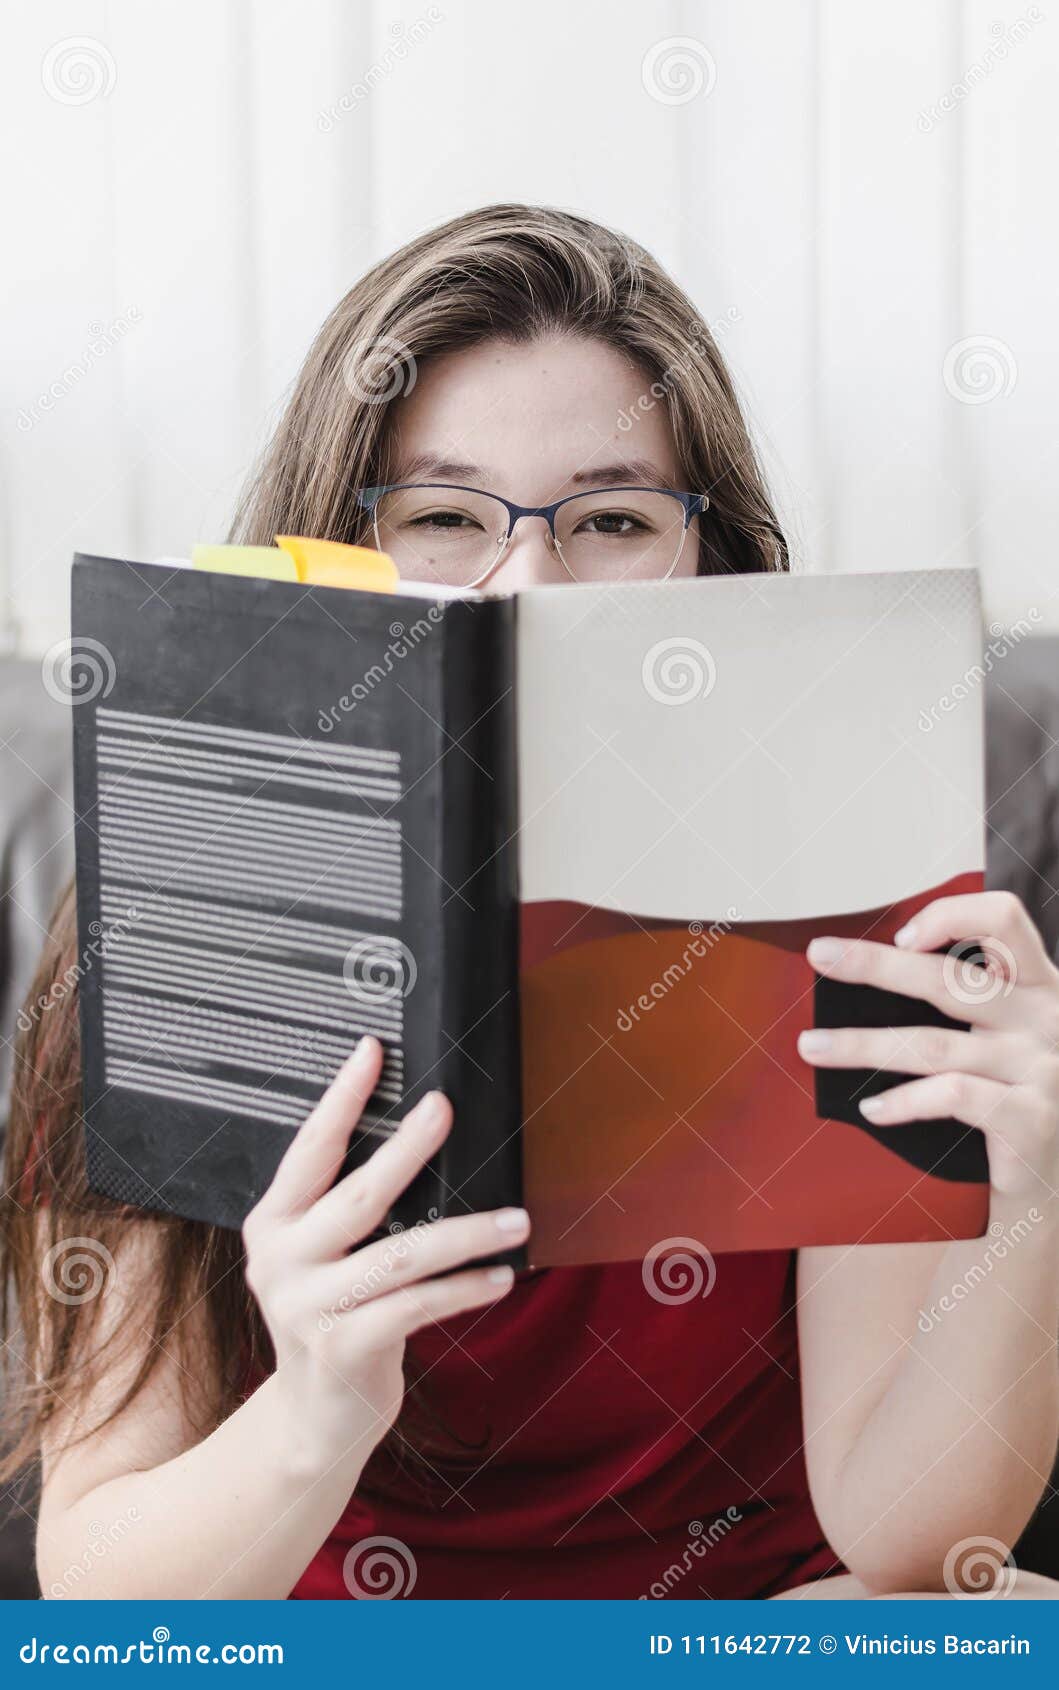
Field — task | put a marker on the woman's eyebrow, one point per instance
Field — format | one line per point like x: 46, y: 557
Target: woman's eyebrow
x: 629, y: 472
x: 633, y: 472
x: 441, y: 469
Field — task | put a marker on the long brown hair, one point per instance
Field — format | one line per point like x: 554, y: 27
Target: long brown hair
x: 60, y: 1244
x: 509, y: 272
x: 506, y: 271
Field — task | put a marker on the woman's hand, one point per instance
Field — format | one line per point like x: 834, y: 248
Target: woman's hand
x: 1002, y: 1075
x: 339, y: 1315
x: 241, y: 1513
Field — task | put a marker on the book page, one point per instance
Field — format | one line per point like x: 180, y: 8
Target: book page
x: 757, y: 747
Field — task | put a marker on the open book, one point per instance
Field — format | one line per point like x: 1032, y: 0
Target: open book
x: 561, y: 852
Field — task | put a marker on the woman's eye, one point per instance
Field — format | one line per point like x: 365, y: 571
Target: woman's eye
x: 451, y: 520
x: 616, y: 524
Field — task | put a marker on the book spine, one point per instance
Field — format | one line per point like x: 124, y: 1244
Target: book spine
x: 479, y: 1065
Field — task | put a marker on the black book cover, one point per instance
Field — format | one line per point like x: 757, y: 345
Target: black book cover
x: 296, y: 814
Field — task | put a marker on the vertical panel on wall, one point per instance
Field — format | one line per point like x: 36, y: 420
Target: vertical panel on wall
x: 551, y: 110
x: 310, y: 168
x: 748, y: 202
x: 1008, y: 378
x: 60, y: 342
x: 179, y: 224
x: 240, y: 186
x: 183, y: 242
x: 889, y: 256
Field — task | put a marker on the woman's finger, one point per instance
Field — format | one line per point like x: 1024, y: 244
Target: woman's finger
x: 996, y: 922
x: 1017, y: 1122
x: 978, y: 1102
x: 419, y: 1253
x: 360, y: 1202
x: 315, y: 1153
x: 955, y: 987
x: 1009, y: 1057
x: 390, y: 1319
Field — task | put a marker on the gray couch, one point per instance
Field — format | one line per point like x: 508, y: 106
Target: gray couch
x: 36, y: 859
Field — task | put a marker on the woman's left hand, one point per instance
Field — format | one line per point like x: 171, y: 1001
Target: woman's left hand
x: 1003, y: 1074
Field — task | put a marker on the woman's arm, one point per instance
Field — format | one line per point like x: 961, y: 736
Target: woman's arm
x: 929, y: 1393
x: 241, y: 1513
x: 929, y: 1373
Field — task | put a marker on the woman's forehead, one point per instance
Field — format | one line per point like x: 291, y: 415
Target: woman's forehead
x: 551, y: 412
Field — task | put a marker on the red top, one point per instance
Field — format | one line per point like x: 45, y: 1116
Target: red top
x: 623, y: 1446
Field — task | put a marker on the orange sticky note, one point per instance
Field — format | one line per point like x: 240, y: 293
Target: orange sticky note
x: 329, y: 563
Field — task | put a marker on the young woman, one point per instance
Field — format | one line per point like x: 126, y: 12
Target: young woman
x: 451, y: 1432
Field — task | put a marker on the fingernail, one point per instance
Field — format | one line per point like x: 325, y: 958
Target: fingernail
x: 814, y: 1041
x: 512, y: 1220
x: 873, y: 1107
x: 826, y: 950
x: 365, y: 1049
x: 905, y: 935
x: 501, y: 1276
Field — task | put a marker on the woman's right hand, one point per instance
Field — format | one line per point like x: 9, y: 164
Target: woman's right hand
x: 338, y: 1310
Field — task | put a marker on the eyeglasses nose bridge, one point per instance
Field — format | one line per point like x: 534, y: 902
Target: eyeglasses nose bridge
x: 548, y: 519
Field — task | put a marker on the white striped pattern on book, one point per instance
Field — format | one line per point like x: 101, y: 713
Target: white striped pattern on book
x: 236, y: 870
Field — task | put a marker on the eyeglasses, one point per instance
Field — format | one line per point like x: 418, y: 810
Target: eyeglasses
x: 458, y: 535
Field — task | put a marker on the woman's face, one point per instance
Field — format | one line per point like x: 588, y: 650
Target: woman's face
x: 535, y: 423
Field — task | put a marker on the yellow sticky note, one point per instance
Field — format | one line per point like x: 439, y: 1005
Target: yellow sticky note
x: 329, y: 563
x: 269, y: 561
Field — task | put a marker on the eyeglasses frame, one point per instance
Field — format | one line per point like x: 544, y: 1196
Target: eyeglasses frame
x: 694, y: 504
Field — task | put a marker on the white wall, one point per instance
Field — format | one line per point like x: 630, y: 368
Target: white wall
x: 179, y: 235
